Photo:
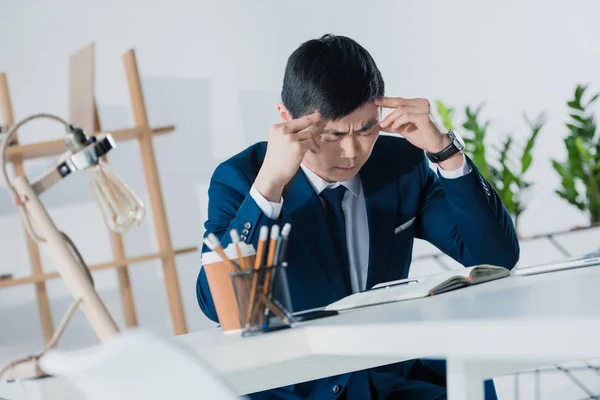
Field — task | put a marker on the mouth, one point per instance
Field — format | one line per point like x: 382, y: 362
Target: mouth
x: 346, y: 169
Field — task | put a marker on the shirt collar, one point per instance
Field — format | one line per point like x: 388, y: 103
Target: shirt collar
x: 319, y: 184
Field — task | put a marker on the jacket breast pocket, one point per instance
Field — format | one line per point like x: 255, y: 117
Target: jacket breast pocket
x: 405, y: 226
x: 401, y: 253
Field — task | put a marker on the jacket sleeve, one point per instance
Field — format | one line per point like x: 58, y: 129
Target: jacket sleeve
x: 465, y: 218
x: 230, y: 206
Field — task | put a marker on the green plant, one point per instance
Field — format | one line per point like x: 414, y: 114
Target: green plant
x: 505, y: 174
x: 580, y: 173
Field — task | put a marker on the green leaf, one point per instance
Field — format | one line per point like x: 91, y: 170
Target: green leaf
x: 536, y: 127
x: 574, y: 104
x: 583, y: 151
x: 505, y: 149
x: 571, y: 199
x: 579, y: 91
x: 574, y: 161
x: 568, y: 181
x: 577, y: 118
x: 526, y: 162
x: 580, y: 173
x: 559, y: 167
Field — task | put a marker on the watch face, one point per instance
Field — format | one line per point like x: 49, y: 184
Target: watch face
x: 457, y: 140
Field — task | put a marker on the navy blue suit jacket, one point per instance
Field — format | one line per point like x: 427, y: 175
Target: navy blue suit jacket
x: 463, y: 217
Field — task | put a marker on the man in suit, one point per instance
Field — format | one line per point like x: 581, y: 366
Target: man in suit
x: 356, y: 201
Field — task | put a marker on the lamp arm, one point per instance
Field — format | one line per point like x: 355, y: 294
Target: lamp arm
x: 62, y: 250
x: 8, y: 139
x: 4, y: 175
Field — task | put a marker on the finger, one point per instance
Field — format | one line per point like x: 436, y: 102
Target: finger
x: 309, y: 135
x: 400, y: 121
x: 409, y: 118
x: 310, y: 145
x: 403, y: 110
x: 303, y: 135
x: 394, y: 102
x: 296, y: 125
x: 391, y: 102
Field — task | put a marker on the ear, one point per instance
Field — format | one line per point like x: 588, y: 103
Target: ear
x: 283, y: 112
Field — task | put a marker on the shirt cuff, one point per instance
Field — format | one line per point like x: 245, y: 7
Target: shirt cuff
x: 457, y: 173
x: 269, y: 208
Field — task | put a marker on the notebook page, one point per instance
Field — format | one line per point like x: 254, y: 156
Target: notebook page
x: 388, y: 294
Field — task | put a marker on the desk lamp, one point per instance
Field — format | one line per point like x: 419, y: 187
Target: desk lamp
x: 121, y: 209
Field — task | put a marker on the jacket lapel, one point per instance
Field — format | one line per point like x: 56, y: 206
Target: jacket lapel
x: 303, y: 208
x: 381, y: 197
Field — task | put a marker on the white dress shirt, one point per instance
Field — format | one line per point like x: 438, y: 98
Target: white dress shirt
x: 355, y: 215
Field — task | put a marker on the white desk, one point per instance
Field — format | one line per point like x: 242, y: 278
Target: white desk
x: 483, y: 331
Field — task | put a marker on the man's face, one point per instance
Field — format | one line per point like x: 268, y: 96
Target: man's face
x: 346, y: 145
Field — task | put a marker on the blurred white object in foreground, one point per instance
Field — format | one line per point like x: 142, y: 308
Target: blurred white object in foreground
x: 137, y: 365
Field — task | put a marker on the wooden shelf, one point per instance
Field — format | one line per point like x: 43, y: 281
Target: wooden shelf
x: 113, y: 264
x: 56, y: 147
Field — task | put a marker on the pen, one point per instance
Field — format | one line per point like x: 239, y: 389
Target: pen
x: 277, y: 251
x: 407, y: 282
x: 285, y: 233
x: 279, y: 256
x: 282, y: 280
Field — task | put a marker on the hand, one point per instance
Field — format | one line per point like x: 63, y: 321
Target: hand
x: 288, y: 142
x: 412, y: 120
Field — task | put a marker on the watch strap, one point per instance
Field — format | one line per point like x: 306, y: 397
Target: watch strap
x: 443, y: 155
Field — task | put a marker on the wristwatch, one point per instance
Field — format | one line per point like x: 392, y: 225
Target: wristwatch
x: 456, y: 144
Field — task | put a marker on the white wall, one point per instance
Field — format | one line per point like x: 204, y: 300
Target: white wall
x: 214, y: 69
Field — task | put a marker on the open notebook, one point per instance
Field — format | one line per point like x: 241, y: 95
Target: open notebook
x: 414, y: 288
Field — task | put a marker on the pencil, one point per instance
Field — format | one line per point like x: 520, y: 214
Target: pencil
x: 270, y: 263
x: 262, y: 239
x: 213, y: 243
x: 271, y: 257
x: 235, y: 239
x: 272, y: 245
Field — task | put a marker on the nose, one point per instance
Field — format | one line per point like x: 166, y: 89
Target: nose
x: 349, y: 146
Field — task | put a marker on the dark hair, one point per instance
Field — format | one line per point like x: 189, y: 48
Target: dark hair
x: 333, y: 75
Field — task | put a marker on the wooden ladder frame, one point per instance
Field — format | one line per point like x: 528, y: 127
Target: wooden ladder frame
x: 143, y: 133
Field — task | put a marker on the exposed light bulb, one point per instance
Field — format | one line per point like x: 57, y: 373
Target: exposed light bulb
x: 121, y: 209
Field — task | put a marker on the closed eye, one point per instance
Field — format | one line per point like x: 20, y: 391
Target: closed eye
x: 366, y: 130
x: 367, y: 127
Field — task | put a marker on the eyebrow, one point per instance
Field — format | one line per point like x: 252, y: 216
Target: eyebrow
x: 365, y: 128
